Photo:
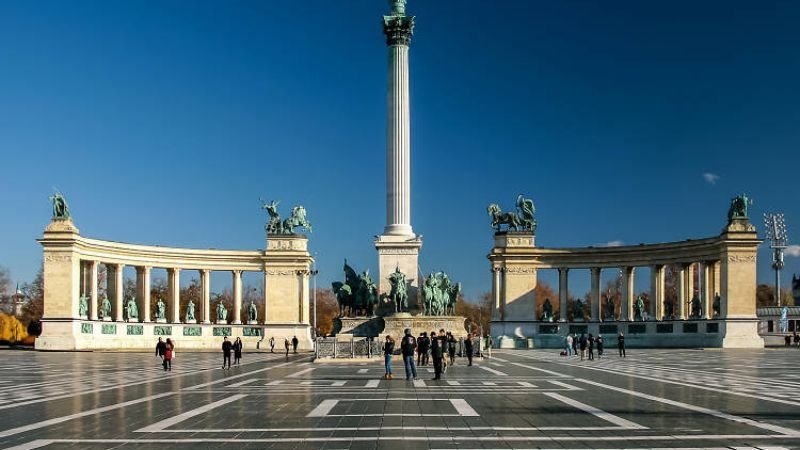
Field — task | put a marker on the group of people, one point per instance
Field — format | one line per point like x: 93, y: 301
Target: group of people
x: 227, y: 347
x: 788, y: 340
x: 585, y: 346
x: 295, y: 341
x: 165, y: 351
x: 435, y: 347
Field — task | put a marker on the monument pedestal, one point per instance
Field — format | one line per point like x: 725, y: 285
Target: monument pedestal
x: 399, y: 252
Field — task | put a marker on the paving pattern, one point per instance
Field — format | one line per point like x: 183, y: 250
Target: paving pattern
x: 516, y: 399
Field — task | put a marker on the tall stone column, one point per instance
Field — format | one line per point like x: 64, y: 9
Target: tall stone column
x: 628, y: 294
x: 595, y: 294
x: 93, y: 290
x: 398, y: 247
x: 690, y: 289
x: 118, y: 292
x: 237, y: 297
x: 496, y: 293
x: 205, y: 292
x: 563, y: 286
x: 143, y: 292
x: 680, y: 308
x: 174, y: 294
x: 657, y: 291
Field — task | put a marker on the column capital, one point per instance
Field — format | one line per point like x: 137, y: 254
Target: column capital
x: 563, y: 269
x: 174, y: 269
x: 204, y: 272
x: 398, y: 29
x: 142, y: 269
x: 237, y: 272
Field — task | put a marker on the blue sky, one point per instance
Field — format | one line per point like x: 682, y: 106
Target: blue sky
x: 165, y: 122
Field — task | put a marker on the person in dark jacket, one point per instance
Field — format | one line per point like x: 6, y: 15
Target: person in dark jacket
x: 423, y: 344
x: 451, y: 348
x: 407, y: 345
x: 388, y: 350
x: 443, y: 338
x: 295, y: 341
x: 226, y: 352
x: 591, y: 347
x: 237, y: 351
x: 621, y: 345
x: 169, y: 352
x: 468, y: 348
x: 161, y: 348
x: 575, y: 344
x: 583, y: 343
x: 437, y: 353
x: 599, y: 342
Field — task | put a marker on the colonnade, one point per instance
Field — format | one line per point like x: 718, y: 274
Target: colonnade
x: 174, y: 314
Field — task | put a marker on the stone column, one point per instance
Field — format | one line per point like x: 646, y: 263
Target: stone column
x: 690, y: 288
x: 496, y: 293
x: 118, y: 293
x: 143, y: 292
x: 657, y: 291
x: 205, y: 292
x: 264, y: 289
x: 628, y: 293
x: 398, y: 29
x: 93, y: 290
x: 563, y: 286
x: 237, y: 297
x: 595, y: 294
x: 174, y: 294
x: 708, y: 288
x: 680, y: 308
x: 302, y: 315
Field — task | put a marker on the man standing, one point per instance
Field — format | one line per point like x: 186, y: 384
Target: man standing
x: 272, y: 344
x: 422, y: 349
x: 226, y: 352
x: 437, y: 353
x: 295, y: 341
x: 161, y: 348
x: 568, y: 345
x: 583, y: 342
x: 286, y: 345
x: 407, y: 347
x: 621, y: 344
x: 468, y: 348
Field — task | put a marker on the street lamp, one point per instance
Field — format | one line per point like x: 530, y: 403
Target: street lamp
x: 776, y: 233
x: 314, y: 273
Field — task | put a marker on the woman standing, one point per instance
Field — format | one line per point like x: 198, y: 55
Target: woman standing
x: 388, y: 350
x: 169, y: 352
x: 237, y: 351
x: 451, y: 348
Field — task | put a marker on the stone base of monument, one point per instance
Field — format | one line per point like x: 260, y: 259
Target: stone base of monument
x: 252, y: 322
x: 106, y: 319
x: 190, y: 321
x: 161, y: 320
x: 395, y: 325
x: 84, y: 317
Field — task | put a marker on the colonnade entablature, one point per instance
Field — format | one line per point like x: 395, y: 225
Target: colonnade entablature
x: 72, y: 303
x: 716, y: 280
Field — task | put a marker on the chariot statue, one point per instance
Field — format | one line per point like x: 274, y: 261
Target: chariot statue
x: 521, y: 220
x: 297, y: 219
x: 738, y: 208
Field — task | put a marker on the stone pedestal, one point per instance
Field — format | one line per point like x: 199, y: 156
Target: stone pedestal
x: 252, y: 322
x: 286, y: 281
x: 399, y: 252
x: 190, y: 321
x: 106, y: 319
x: 161, y: 320
x: 396, y: 325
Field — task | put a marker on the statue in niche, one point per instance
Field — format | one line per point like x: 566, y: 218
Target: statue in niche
x: 638, y: 309
x: 738, y: 208
x: 547, y: 311
x: 577, y: 311
x: 609, y: 307
x: 161, y: 310
x: 222, y: 313
x: 60, y: 207
x: 783, y: 322
x: 696, y: 309
x: 83, y: 306
x: 105, y: 308
x: 717, y: 305
x: 668, y: 309
x: 190, y: 312
x: 252, y: 312
x: 399, y: 291
x: 132, y: 309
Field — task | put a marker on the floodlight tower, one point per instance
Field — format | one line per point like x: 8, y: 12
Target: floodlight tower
x: 776, y: 233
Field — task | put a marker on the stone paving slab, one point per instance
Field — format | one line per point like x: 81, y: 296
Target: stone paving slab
x: 516, y: 399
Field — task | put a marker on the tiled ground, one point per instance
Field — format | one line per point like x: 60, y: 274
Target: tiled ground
x: 516, y: 399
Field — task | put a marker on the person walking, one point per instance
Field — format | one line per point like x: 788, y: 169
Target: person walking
x: 442, y: 336
x: 568, y: 345
x: 583, y: 344
x: 407, y: 346
x: 468, y: 348
x: 437, y: 353
x: 295, y: 341
x: 489, y: 345
x: 423, y: 344
x: 161, y: 348
x: 226, y: 352
x: 286, y: 345
x: 451, y: 348
x: 272, y: 344
x: 591, y: 347
x: 237, y: 351
x: 621, y: 345
x: 599, y: 341
x: 388, y: 350
x: 169, y: 352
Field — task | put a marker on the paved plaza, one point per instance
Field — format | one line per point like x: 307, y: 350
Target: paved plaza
x: 516, y: 399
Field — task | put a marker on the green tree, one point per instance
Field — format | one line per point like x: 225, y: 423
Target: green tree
x: 33, y: 309
x: 327, y: 311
